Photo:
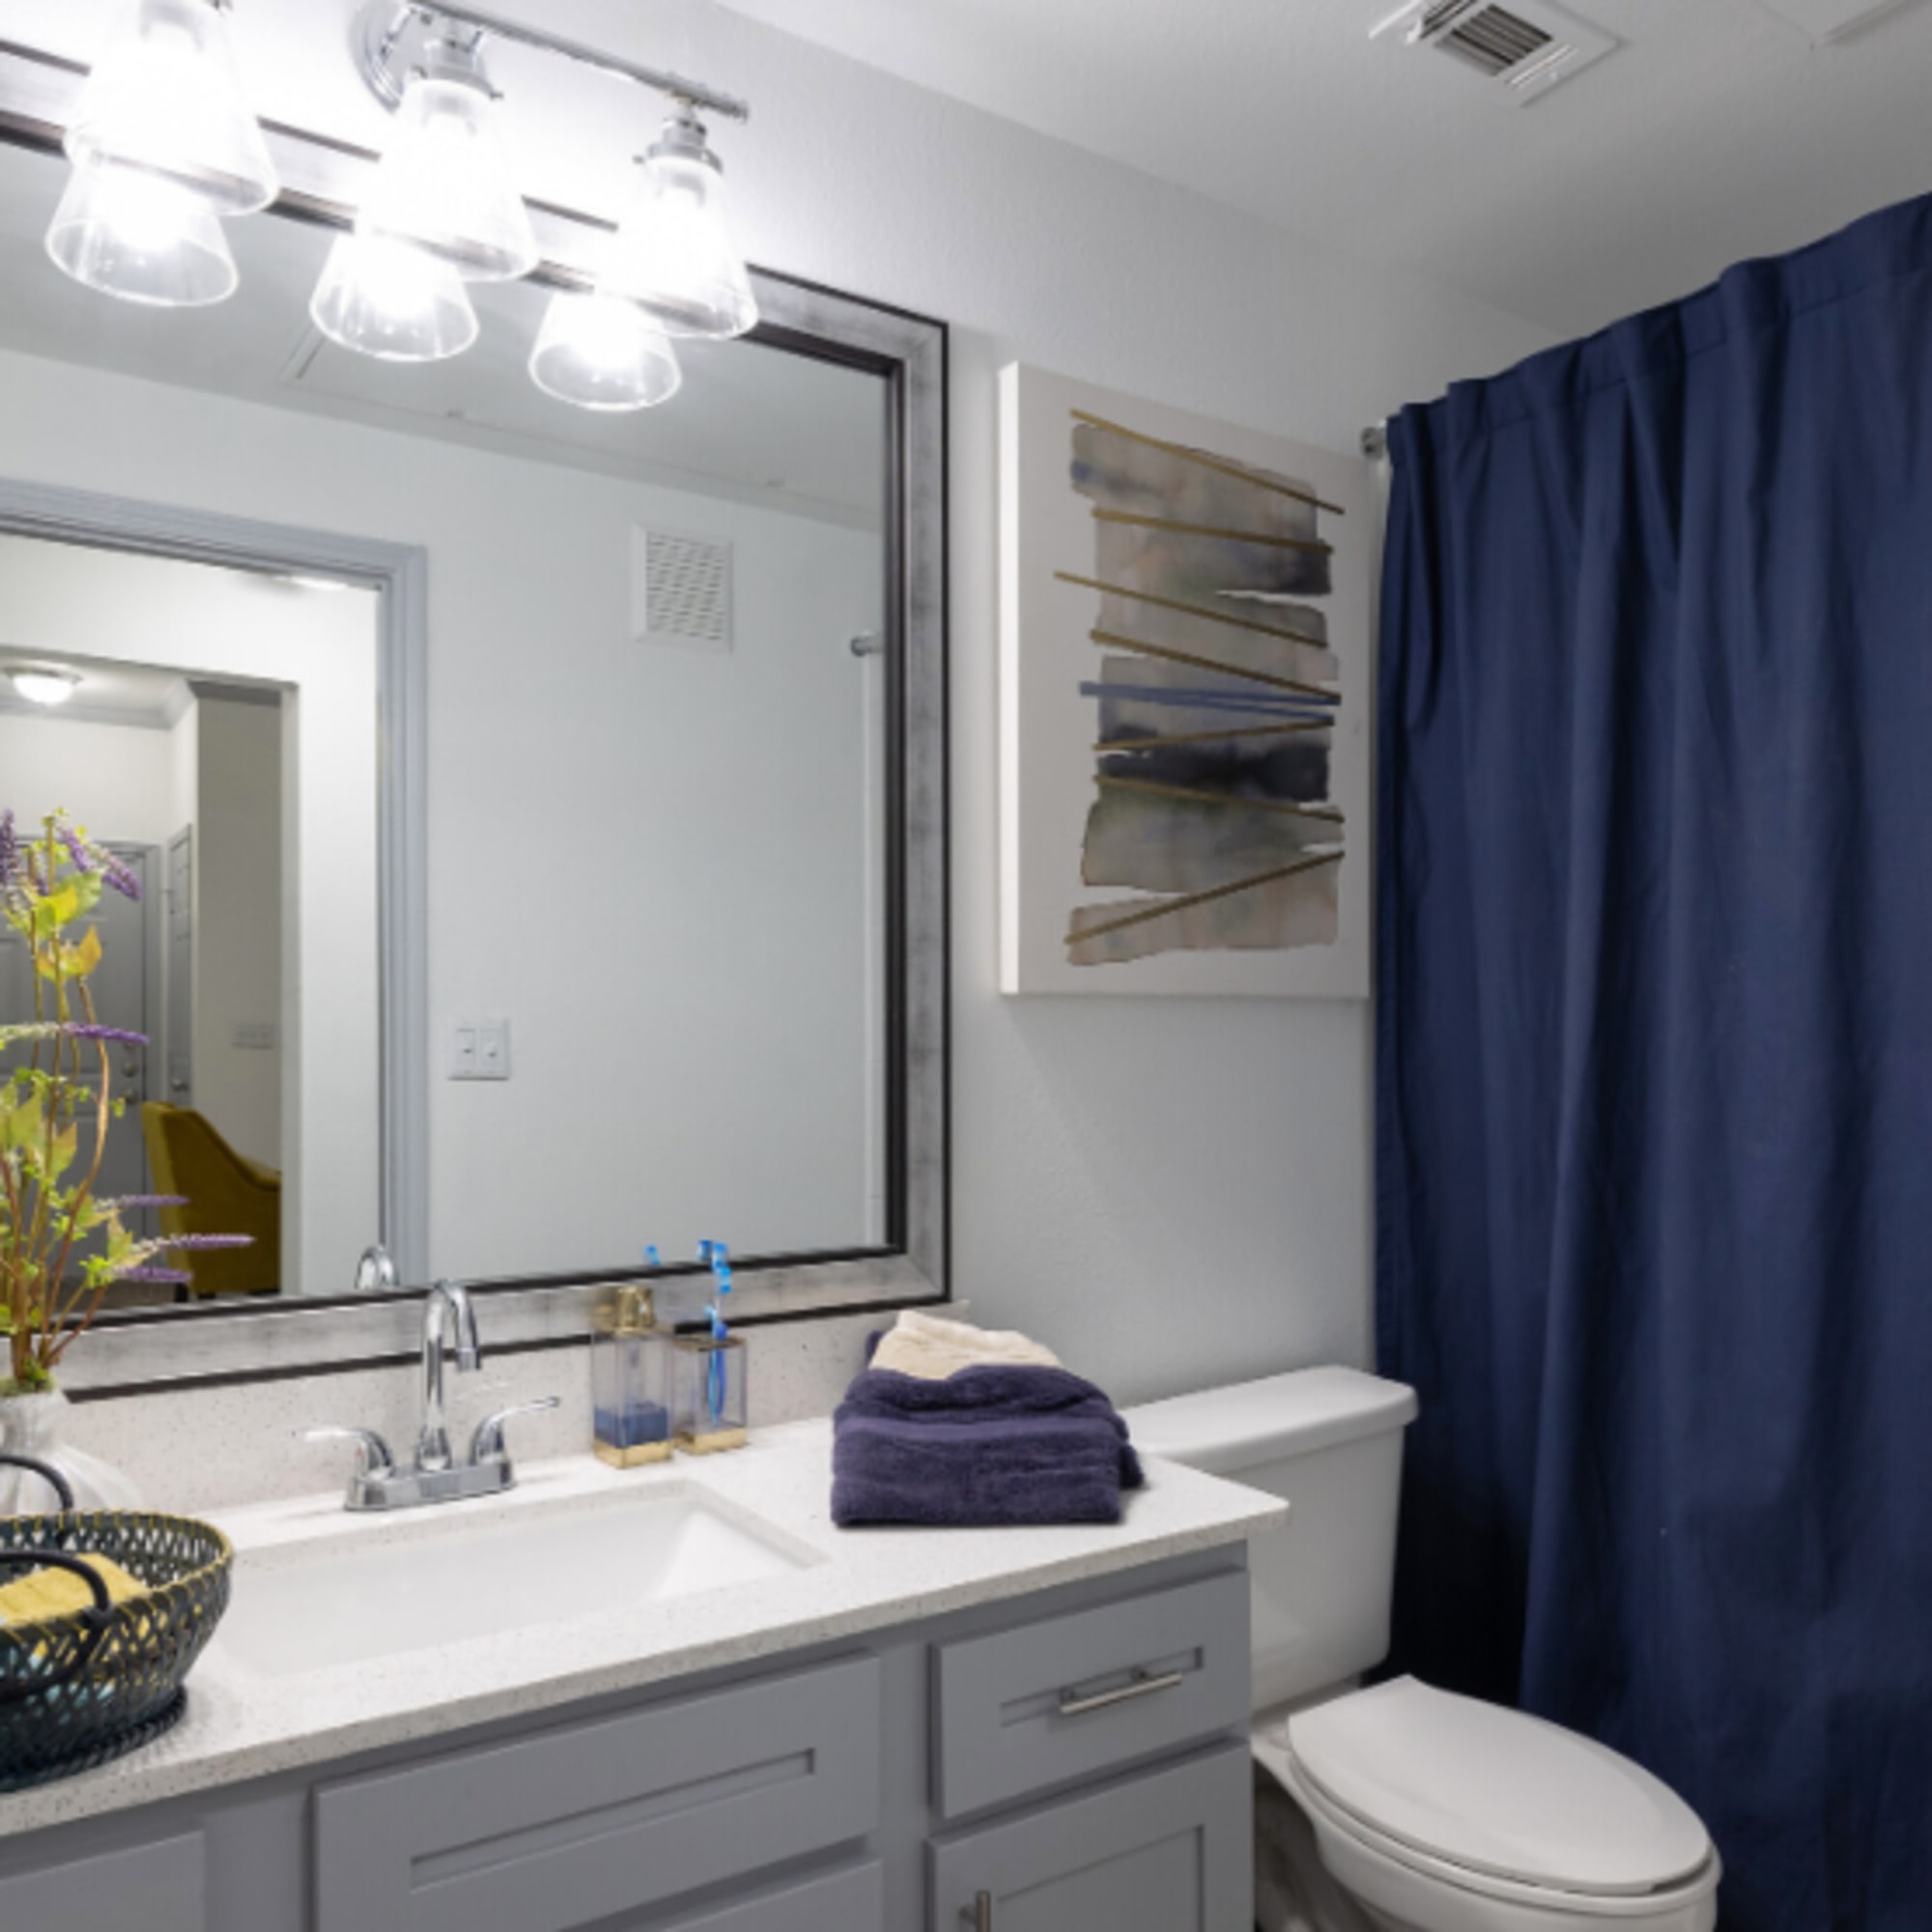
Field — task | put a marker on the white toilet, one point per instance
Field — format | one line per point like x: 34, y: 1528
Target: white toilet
x: 1431, y: 1812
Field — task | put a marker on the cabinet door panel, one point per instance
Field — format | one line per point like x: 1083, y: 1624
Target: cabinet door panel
x: 846, y: 1901
x: 159, y: 1887
x: 1167, y: 1852
x: 606, y: 1816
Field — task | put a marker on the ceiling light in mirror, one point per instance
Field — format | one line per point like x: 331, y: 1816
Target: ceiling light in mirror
x: 44, y: 684
x: 603, y: 353
x: 140, y: 236
x: 392, y: 300
x: 674, y: 252
x: 444, y: 182
x: 166, y: 95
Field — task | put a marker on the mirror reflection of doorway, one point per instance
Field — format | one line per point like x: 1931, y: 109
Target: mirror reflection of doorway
x: 182, y: 778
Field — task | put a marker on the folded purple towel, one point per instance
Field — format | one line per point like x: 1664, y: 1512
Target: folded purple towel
x: 990, y: 1445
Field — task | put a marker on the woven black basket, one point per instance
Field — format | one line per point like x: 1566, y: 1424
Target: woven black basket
x: 80, y: 1689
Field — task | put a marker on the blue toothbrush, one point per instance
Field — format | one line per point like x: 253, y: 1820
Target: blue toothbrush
x: 719, y: 1256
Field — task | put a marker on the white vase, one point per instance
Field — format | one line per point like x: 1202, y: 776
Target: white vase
x: 36, y: 1424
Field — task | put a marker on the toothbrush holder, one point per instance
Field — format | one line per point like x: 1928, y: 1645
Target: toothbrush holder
x: 708, y: 1395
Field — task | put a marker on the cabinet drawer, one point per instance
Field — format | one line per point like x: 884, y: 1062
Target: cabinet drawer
x: 1168, y: 1850
x: 1073, y: 1695
x: 845, y: 1901
x: 578, y: 1824
x: 160, y: 1887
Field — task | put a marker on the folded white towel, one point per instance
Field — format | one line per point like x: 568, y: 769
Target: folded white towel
x: 923, y: 1346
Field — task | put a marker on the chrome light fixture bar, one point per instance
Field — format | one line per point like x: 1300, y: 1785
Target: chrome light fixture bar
x: 389, y: 35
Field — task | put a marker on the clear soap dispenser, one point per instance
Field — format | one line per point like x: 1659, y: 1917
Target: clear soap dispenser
x: 630, y: 1380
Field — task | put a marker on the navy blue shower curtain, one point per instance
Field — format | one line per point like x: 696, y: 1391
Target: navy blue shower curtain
x: 1654, y: 1060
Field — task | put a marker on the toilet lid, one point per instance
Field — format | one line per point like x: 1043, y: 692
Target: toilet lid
x: 1497, y: 1791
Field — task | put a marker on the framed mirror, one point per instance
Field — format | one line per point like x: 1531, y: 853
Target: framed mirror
x: 541, y: 813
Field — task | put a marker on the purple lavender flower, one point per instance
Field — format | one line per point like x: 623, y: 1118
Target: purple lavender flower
x: 201, y: 1242
x: 114, y: 872
x: 116, y: 1035
x: 10, y: 849
x: 122, y: 1202
x: 77, y: 848
x: 146, y: 1271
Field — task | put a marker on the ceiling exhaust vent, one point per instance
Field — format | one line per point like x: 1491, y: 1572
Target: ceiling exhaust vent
x: 1526, y: 46
x: 681, y: 590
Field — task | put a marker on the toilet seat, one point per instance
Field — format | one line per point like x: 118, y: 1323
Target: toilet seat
x: 1483, y: 1797
x: 1426, y: 1890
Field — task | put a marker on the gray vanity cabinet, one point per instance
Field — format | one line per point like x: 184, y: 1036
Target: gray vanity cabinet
x: 1165, y: 1852
x: 1076, y: 1759
x: 578, y: 1824
x: 158, y: 1886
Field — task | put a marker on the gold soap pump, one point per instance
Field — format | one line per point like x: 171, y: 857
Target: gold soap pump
x: 630, y: 1380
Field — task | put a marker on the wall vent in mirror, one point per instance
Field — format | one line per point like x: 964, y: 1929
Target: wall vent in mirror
x: 681, y: 590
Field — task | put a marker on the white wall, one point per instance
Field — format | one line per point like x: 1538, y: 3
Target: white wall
x: 1170, y: 1192
x: 238, y: 917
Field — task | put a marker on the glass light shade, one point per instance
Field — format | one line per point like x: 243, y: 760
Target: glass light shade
x: 141, y: 237
x: 674, y: 255
x: 603, y: 353
x: 392, y: 300
x: 444, y: 184
x: 166, y: 95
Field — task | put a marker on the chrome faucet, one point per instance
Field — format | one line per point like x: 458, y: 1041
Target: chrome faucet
x: 377, y: 1483
x: 447, y: 1302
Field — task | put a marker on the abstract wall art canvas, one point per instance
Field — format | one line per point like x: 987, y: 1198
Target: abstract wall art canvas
x: 1185, y: 670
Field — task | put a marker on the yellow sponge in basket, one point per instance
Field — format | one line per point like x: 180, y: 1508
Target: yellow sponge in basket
x: 42, y: 1594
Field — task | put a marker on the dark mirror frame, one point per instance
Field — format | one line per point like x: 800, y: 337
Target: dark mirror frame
x: 170, y: 1347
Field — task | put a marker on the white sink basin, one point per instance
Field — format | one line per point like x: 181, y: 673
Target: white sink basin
x: 421, y: 1582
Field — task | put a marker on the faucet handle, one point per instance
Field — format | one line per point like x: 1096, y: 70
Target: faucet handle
x: 488, y: 1440
x: 376, y: 1460
x: 376, y: 1272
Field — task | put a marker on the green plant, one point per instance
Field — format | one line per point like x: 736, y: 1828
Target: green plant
x: 61, y: 1245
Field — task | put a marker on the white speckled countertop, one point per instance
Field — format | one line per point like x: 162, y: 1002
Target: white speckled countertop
x: 240, y: 1726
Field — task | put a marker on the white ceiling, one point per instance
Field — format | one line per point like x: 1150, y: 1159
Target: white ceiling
x: 107, y: 692
x: 1717, y: 132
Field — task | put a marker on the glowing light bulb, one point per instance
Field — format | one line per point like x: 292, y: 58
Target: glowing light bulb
x: 394, y: 300
x: 674, y: 255
x: 141, y: 237
x: 603, y: 353
x: 166, y: 95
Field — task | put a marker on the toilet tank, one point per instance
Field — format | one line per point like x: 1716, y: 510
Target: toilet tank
x: 1330, y: 1441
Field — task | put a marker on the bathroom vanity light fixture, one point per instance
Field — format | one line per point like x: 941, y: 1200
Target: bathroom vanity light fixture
x: 44, y: 684
x: 163, y: 148
x: 444, y: 211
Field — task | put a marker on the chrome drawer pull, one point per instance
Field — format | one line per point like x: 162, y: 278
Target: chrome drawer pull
x: 1142, y: 1685
x: 982, y: 1912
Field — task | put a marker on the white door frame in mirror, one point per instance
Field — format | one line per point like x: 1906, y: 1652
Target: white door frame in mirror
x: 399, y: 574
